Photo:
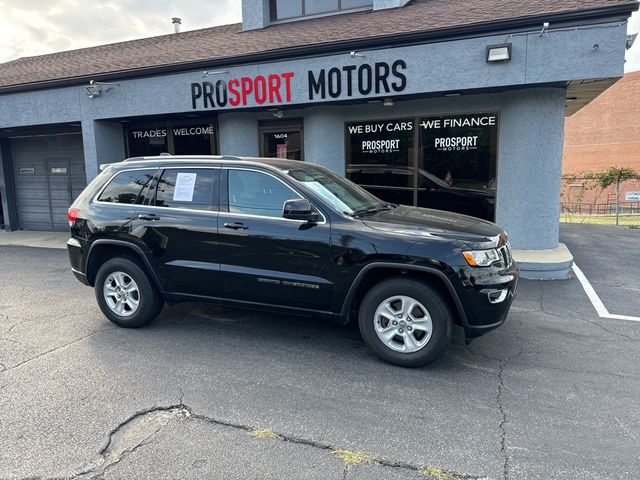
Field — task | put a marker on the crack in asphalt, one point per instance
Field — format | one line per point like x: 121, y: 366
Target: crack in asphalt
x: 141, y: 428
x: 53, y: 350
x: 586, y: 372
x: 11, y: 340
x: 541, y: 295
x: 594, y: 323
x: 31, y: 321
x: 503, y: 415
x: 557, y: 315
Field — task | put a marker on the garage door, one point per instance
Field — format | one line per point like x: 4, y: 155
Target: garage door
x: 49, y: 174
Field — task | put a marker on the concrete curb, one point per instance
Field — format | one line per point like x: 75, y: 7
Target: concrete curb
x: 23, y: 238
x: 550, y: 264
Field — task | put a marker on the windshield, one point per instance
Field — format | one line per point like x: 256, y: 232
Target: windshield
x: 343, y: 195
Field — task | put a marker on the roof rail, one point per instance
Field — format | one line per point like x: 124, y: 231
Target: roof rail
x: 165, y: 154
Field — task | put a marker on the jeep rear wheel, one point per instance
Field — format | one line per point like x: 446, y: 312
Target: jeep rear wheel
x: 125, y: 294
x: 405, y: 321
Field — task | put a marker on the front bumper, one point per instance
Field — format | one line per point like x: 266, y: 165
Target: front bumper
x: 487, y: 300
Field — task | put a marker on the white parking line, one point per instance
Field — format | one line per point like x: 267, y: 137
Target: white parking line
x: 595, y: 299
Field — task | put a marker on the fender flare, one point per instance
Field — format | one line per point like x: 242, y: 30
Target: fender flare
x: 402, y: 266
x: 135, y: 248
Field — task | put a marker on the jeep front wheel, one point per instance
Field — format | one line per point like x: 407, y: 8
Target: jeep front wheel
x: 125, y: 293
x: 405, y: 321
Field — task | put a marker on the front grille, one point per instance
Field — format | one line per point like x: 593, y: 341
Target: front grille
x: 505, y: 254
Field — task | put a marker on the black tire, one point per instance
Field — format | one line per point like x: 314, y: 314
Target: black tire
x: 150, y: 301
x: 437, y: 307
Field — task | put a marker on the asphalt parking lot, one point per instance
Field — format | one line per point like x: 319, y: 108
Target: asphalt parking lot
x: 212, y: 393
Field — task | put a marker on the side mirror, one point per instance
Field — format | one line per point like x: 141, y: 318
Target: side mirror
x: 299, y: 209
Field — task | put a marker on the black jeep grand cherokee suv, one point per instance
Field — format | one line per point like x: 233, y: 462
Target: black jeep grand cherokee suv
x: 291, y: 237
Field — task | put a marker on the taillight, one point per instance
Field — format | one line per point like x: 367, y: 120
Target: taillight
x: 72, y: 216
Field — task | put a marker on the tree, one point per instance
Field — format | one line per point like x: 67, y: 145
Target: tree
x: 613, y: 175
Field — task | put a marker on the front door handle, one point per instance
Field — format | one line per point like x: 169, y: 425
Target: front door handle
x: 149, y: 216
x: 236, y: 226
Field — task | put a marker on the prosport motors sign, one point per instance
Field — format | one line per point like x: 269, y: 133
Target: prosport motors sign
x: 347, y: 81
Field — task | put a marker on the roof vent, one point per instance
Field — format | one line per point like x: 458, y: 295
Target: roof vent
x: 177, y: 21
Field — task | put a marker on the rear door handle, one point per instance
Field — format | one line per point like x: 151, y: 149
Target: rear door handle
x: 236, y: 226
x: 149, y: 216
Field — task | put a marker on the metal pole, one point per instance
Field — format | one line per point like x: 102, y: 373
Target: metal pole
x: 618, y: 201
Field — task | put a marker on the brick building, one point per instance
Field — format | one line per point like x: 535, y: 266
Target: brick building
x: 606, y: 132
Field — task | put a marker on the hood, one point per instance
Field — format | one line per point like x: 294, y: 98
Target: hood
x: 427, y: 222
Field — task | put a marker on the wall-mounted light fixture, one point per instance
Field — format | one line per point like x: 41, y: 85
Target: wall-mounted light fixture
x: 355, y: 54
x: 278, y: 113
x: 388, y: 102
x: 630, y: 39
x: 206, y: 73
x: 499, y: 53
x: 94, y: 89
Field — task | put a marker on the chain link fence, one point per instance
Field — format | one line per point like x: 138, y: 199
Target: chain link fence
x: 582, y: 200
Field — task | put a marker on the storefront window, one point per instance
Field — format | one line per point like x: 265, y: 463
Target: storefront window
x: 379, y: 158
x: 176, y: 138
x: 193, y: 139
x: 149, y: 141
x: 449, y: 165
x: 461, y: 150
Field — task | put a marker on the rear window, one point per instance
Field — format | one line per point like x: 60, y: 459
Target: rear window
x: 127, y: 187
x: 186, y: 188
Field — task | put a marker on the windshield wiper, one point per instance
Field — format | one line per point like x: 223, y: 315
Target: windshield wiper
x: 372, y: 210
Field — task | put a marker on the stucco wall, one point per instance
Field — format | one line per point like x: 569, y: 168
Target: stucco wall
x: 529, y: 167
x: 238, y: 134
x: 255, y: 14
x: 382, y: 4
x: 530, y: 124
x: 529, y: 152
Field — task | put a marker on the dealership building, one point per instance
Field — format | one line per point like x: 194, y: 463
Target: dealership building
x: 403, y: 97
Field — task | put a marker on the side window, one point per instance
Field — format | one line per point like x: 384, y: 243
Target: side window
x: 257, y: 193
x: 127, y: 187
x: 185, y: 188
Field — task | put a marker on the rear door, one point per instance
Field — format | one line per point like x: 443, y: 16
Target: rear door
x: 118, y: 202
x: 266, y: 258
x: 178, y: 224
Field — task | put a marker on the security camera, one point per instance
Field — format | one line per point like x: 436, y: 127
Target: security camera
x: 545, y: 28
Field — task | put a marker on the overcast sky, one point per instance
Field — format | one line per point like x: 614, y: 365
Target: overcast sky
x: 36, y: 27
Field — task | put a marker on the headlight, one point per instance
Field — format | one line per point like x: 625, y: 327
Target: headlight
x: 481, y: 258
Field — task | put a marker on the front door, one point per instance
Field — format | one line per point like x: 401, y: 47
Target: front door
x: 281, y: 139
x: 266, y: 258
